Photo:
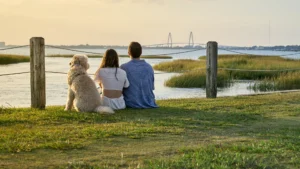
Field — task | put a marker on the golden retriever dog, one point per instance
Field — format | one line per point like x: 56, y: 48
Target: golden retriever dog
x: 82, y: 92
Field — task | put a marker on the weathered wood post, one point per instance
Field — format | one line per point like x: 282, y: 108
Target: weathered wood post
x: 211, y: 69
x: 37, y: 72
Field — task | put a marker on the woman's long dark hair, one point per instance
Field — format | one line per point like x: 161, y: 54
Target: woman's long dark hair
x: 110, y: 60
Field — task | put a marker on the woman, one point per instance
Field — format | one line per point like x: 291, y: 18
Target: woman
x: 112, y: 80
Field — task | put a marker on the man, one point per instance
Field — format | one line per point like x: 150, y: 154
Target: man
x: 141, y: 78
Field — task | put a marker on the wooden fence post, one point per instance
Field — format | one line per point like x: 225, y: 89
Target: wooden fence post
x: 211, y: 69
x: 37, y: 73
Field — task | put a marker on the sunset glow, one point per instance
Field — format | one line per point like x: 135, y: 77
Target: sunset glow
x: 117, y: 22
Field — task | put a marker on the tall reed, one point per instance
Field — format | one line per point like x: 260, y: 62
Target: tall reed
x: 285, y: 81
x: 10, y: 59
x: 197, y: 79
x: 180, y: 65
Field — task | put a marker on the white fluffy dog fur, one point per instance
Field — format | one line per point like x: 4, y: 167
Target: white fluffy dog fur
x: 82, y: 92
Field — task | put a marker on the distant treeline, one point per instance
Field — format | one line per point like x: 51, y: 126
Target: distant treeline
x: 276, y: 48
x: 124, y: 47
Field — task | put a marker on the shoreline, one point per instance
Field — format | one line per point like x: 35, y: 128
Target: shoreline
x: 174, y: 99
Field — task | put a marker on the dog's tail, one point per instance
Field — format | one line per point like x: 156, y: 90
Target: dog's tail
x: 104, y: 110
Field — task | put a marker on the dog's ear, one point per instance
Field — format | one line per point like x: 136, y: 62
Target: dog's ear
x: 87, y: 66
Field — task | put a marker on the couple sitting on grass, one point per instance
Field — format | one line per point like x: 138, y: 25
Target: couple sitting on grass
x: 131, y: 85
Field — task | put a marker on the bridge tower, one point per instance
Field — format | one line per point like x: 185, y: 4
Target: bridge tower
x: 170, y: 41
x: 191, y: 40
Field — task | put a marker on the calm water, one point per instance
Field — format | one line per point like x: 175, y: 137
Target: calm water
x: 15, y: 90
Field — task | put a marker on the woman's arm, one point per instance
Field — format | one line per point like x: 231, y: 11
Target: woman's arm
x: 126, y: 84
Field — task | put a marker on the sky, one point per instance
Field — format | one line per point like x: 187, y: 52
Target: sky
x: 118, y: 22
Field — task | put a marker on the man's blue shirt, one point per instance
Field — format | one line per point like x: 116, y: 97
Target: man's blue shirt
x: 140, y: 75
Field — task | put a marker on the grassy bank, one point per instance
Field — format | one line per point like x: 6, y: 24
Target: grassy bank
x: 10, y: 59
x: 232, y: 132
x: 245, y: 62
x: 125, y: 56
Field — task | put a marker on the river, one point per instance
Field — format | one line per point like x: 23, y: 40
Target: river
x: 15, y: 90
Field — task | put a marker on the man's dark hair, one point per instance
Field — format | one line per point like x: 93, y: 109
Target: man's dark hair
x: 135, y: 49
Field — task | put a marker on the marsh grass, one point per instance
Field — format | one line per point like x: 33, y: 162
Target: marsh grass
x: 244, y: 62
x: 249, y: 62
x: 100, y: 56
x: 10, y: 59
x: 180, y: 65
x: 197, y: 79
x: 256, y: 63
x: 232, y: 132
x: 285, y: 81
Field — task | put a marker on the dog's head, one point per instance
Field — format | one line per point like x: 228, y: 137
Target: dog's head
x: 79, y: 61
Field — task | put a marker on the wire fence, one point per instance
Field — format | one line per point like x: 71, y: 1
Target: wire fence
x: 159, y: 54
x: 259, y: 70
x: 251, y: 54
x: 74, y: 50
x: 10, y: 74
x: 229, y: 69
x: 15, y: 47
x: 237, y: 52
x: 162, y: 54
x: 176, y: 53
x: 232, y: 71
x: 96, y: 53
x: 51, y: 72
x: 185, y: 71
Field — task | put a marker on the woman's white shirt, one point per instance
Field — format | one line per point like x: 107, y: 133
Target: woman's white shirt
x: 112, y: 78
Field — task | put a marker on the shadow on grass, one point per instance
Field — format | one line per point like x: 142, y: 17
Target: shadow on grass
x: 227, y: 117
x: 233, y: 132
x: 13, y: 122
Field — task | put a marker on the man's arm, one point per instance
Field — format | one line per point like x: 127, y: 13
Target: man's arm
x: 153, y: 80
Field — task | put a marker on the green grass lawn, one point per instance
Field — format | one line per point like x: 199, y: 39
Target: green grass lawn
x: 124, y: 56
x: 230, y: 132
x: 10, y: 59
